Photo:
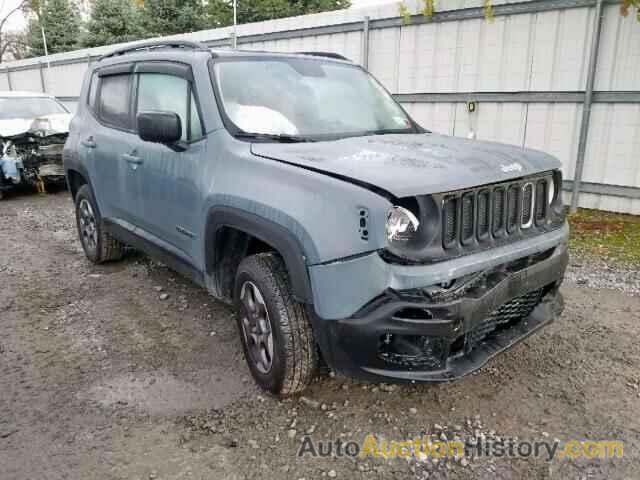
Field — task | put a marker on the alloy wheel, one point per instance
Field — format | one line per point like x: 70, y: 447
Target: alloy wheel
x: 256, y: 327
x: 88, y: 228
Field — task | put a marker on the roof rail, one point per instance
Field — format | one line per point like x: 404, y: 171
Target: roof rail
x: 337, y: 56
x: 185, y: 44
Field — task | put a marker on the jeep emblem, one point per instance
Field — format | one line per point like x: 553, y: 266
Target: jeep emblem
x: 513, y: 167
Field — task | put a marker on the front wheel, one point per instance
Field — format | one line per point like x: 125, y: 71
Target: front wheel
x: 275, y: 329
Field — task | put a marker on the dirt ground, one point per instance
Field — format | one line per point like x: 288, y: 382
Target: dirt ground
x: 101, y: 378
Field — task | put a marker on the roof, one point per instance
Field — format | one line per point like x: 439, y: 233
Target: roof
x: 23, y: 94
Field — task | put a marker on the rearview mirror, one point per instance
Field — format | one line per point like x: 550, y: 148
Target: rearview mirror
x: 159, y: 127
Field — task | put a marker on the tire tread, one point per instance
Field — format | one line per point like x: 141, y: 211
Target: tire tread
x: 110, y: 249
x: 300, y: 348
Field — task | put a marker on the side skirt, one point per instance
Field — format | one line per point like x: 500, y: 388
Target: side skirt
x: 165, y: 253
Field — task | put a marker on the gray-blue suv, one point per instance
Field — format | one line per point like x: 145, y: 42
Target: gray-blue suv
x: 295, y: 187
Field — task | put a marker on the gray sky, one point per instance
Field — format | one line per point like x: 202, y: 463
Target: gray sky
x: 16, y: 22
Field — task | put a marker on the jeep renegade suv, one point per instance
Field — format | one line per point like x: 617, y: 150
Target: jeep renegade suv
x: 295, y: 187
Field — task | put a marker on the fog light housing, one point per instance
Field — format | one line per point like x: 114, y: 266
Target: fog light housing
x: 413, y: 351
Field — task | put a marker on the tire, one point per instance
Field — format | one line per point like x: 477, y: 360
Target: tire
x: 98, y: 245
x: 293, y: 353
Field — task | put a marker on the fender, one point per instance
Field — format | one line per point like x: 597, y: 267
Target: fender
x: 266, y: 231
x: 71, y: 164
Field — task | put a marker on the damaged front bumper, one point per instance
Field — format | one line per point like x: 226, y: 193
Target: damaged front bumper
x: 31, y: 160
x: 435, y: 335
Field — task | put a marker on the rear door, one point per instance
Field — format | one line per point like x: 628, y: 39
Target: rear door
x: 109, y: 140
x: 170, y: 187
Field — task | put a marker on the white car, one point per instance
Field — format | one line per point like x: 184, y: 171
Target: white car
x: 33, y: 129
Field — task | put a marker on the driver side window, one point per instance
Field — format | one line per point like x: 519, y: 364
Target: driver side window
x: 168, y: 93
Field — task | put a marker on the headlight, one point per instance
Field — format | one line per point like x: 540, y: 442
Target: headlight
x: 402, y: 225
x: 552, y: 190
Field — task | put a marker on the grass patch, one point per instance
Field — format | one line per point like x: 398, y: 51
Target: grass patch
x: 613, y: 237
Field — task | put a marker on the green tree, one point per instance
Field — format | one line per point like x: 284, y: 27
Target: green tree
x: 113, y: 21
x: 61, y: 22
x: 169, y: 17
x: 220, y: 12
x: 317, y: 6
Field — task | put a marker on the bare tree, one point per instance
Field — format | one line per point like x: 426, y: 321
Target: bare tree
x: 9, y: 42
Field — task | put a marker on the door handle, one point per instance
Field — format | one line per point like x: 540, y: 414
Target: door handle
x: 132, y: 158
x: 89, y: 143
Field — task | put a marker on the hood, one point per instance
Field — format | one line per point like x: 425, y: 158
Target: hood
x: 414, y: 164
x: 40, y: 126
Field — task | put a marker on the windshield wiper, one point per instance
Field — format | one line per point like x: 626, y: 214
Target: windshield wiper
x: 391, y: 131
x: 279, y: 137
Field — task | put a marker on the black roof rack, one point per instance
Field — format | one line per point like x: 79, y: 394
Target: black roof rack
x: 185, y: 44
x: 337, y: 56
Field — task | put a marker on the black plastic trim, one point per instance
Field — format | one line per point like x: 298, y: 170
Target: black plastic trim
x: 175, y: 69
x: 155, y: 44
x: 139, y: 240
x: 118, y: 69
x: 268, y: 232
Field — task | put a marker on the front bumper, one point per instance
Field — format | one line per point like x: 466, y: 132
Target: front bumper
x: 410, y: 337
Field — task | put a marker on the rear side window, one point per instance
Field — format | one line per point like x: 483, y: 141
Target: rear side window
x: 169, y: 93
x: 114, y: 100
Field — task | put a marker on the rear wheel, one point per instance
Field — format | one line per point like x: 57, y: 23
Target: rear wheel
x: 98, y: 245
x: 275, y: 330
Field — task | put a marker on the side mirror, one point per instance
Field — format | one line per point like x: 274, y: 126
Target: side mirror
x: 159, y: 127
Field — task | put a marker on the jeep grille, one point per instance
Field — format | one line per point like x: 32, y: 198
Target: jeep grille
x: 495, y: 211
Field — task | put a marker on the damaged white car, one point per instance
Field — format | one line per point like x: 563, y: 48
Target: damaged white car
x: 33, y: 130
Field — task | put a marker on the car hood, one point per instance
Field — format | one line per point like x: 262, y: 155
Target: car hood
x: 43, y: 126
x: 412, y: 164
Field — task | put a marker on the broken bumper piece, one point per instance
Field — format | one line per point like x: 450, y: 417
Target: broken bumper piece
x: 422, y: 335
x: 28, y: 160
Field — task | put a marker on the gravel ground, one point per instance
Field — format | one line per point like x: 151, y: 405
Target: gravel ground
x: 594, y: 273
x: 127, y: 371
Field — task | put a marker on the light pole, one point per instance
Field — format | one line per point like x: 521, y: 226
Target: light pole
x: 46, y: 56
x: 235, y: 23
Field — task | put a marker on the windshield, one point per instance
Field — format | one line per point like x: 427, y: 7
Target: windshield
x: 29, y: 107
x: 308, y: 98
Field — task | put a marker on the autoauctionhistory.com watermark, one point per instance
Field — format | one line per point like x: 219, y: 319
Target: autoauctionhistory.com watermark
x: 424, y: 448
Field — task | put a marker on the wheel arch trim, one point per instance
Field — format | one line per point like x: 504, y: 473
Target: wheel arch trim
x: 267, y: 231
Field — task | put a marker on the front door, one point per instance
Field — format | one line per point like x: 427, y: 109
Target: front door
x: 169, y: 186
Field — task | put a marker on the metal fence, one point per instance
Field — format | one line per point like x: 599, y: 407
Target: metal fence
x: 562, y: 76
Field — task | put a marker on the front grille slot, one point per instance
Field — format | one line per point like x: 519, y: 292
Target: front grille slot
x: 527, y: 205
x: 512, y: 208
x: 450, y: 221
x: 498, y: 210
x: 468, y: 217
x: 483, y: 214
x: 541, y: 201
x: 478, y: 215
